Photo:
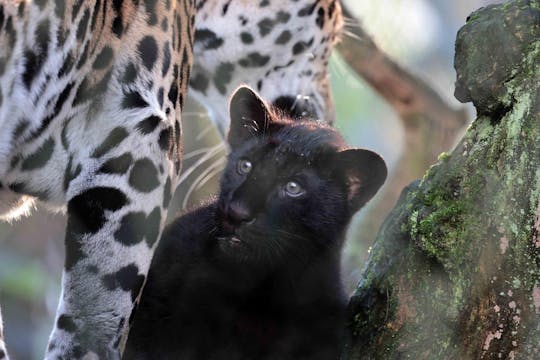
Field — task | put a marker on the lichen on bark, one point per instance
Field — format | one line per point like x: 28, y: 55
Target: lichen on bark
x: 455, y: 269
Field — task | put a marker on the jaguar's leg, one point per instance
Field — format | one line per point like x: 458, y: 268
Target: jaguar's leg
x: 113, y: 228
x: 3, y: 351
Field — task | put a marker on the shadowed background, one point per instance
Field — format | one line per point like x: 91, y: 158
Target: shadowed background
x: 418, y: 34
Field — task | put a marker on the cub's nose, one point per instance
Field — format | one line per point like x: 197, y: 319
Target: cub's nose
x: 238, y: 213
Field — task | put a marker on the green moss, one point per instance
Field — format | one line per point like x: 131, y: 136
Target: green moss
x: 473, y: 17
x: 446, y: 215
x: 528, y: 69
x: 444, y: 156
x: 413, y: 223
x: 506, y: 6
x: 534, y: 197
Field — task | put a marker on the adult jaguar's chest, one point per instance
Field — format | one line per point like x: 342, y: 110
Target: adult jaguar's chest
x: 84, y: 75
x: 90, y: 99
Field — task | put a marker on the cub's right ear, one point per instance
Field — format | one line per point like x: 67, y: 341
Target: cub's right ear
x: 249, y: 116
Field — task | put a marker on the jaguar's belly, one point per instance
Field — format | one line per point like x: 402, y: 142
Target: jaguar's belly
x: 13, y: 205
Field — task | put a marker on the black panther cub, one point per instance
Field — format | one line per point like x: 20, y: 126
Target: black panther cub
x: 255, y: 274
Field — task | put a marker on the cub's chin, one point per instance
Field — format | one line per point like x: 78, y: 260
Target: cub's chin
x: 14, y: 206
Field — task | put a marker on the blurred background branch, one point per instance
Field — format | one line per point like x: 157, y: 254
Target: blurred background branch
x: 430, y: 123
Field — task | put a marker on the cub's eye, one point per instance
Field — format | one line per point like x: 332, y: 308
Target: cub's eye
x: 293, y: 189
x: 244, y: 167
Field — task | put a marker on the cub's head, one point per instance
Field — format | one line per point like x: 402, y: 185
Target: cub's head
x: 289, y: 188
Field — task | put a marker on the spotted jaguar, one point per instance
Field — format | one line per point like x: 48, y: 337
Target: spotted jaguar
x: 91, y: 94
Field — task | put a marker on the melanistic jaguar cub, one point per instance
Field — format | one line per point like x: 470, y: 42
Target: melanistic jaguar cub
x: 91, y: 94
x: 255, y: 274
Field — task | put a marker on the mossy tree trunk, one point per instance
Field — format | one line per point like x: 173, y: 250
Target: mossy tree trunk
x: 455, y: 269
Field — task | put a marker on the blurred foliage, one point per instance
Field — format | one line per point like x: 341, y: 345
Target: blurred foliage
x: 31, y: 249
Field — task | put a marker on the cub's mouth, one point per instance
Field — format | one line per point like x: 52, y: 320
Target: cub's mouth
x: 232, y: 233
x: 231, y: 239
x: 232, y: 246
x: 228, y: 234
x: 232, y: 230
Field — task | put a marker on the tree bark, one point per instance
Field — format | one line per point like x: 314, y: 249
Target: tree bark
x: 455, y: 269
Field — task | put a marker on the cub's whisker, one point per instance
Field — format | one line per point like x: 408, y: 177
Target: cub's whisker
x: 212, y: 151
x: 220, y: 164
x: 204, y: 132
x: 195, y: 185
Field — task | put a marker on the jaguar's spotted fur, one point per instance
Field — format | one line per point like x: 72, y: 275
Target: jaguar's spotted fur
x: 91, y: 94
x: 280, y: 48
x: 90, y: 100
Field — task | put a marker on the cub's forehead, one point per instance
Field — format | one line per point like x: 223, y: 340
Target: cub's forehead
x: 295, y: 143
x: 286, y: 158
x: 307, y: 136
x: 305, y: 141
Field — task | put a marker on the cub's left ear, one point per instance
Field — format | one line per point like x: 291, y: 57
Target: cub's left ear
x: 364, y: 172
x: 249, y: 116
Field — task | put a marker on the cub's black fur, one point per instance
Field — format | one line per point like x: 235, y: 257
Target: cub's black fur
x: 255, y: 273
